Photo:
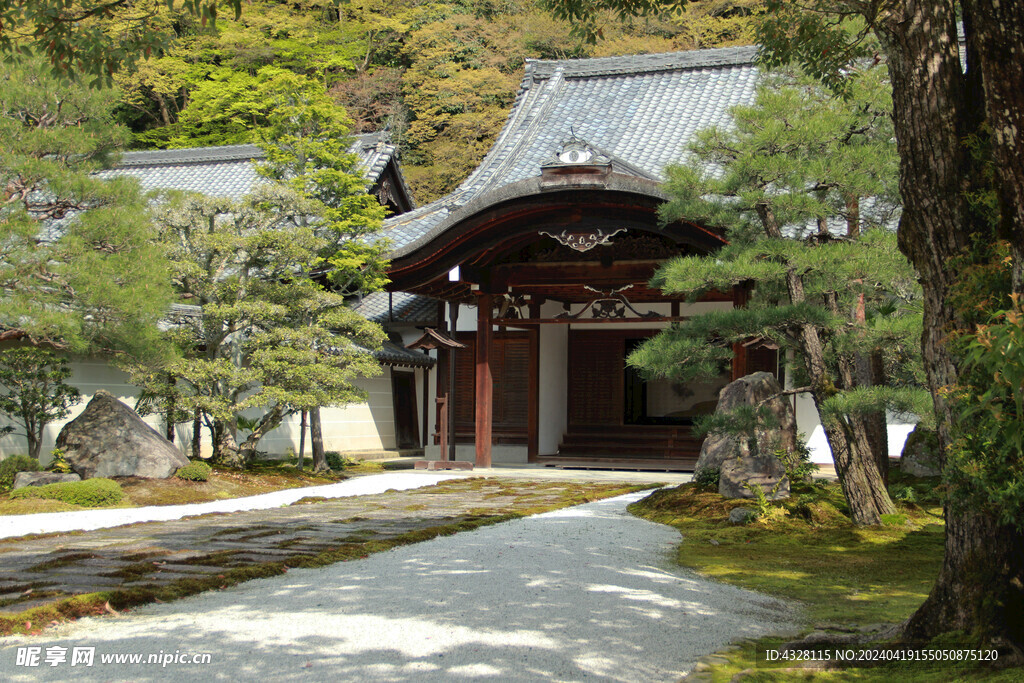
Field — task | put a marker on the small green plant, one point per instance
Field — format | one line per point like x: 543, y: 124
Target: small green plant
x: 765, y: 510
x: 903, y: 493
x: 336, y: 461
x: 196, y: 470
x: 58, y: 462
x: 91, y: 493
x: 13, y: 464
x: 798, y: 461
x: 707, y: 477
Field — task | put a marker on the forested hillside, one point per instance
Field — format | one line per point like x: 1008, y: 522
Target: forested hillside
x: 440, y: 76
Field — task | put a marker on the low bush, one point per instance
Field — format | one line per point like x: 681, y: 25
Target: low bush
x: 13, y: 464
x: 707, y: 478
x: 196, y: 470
x: 91, y: 493
x: 335, y: 460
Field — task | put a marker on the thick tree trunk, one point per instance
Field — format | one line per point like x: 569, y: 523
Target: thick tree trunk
x: 316, y: 438
x: 980, y: 589
x: 856, y: 467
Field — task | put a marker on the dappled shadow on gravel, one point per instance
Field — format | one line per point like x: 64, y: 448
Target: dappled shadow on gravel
x: 586, y: 593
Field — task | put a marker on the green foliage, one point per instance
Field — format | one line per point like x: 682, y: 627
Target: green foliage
x: 799, y: 467
x: 58, y: 463
x: 196, y: 470
x: 707, y: 477
x: 13, y: 464
x: 984, y: 466
x: 268, y: 338
x: 78, y: 263
x: 34, y: 391
x: 903, y: 493
x: 335, y: 461
x: 90, y: 493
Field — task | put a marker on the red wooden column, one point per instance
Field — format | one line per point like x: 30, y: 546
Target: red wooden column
x: 533, y: 409
x: 484, y: 381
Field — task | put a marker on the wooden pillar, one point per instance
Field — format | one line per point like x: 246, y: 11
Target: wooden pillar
x: 453, y: 314
x: 533, y: 392
x: 484, y: 381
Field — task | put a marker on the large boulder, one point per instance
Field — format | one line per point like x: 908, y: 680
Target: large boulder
x: 109, y: 439
x: 750, y: 390
x: 738, y: 477
x: 920, y: 457
x: 23, y: 479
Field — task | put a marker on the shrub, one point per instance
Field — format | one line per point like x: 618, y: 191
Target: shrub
x: 14, y: 464
x: 707, y: 477
x: 91, y: 493
x: 335, y: 460
x: 903, y: 493
x: 196, y: 470
x: 59, y: 463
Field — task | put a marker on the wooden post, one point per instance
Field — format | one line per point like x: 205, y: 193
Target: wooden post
x: 484, y: 380
x: 453, y: 314
x: 443, y: 405
x: 533, y: 392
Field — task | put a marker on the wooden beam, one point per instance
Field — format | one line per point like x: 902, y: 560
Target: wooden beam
x: 484, y: 380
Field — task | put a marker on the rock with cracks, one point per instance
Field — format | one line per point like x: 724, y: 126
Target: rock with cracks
x: 750, y: 391
x: 23, y: 479
x: 740, y: 476
x: 109, y: 439
x: 920, y: 456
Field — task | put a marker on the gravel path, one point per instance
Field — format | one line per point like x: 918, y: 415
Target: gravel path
x: 582, y: 594
x: 87, y: 520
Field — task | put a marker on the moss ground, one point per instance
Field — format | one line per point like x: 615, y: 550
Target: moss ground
x: 806, y: 549
x: 223, y: 484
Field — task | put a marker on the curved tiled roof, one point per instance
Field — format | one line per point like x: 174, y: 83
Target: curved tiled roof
x: 228, y: 170
x: 640, y: 111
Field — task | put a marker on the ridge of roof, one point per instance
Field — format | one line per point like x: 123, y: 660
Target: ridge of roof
x: 249, y: 152
x: 540, y: 69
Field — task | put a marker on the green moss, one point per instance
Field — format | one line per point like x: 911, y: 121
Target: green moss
x: 90, y: 493
x: 196, y: 470
x: 61, y: 561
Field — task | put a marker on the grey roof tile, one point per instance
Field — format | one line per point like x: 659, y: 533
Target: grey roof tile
x: 229, y: 170
x: 410, y: 309
x: 639, y: 110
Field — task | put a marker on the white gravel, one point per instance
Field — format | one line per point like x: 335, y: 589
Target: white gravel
x: 20, y: 525
x: 583, y: 594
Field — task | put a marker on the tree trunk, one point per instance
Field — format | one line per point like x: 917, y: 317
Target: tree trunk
x: 856, y: 468
x: 197, y: 434
x: 980, y: 588
x: 302, y: 440
x: 316, y: 438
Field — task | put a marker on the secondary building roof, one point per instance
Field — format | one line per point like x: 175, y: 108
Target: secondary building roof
x: 639, y: 111
x: 230, y: 171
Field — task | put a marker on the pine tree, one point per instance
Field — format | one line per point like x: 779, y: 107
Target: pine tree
x: 837, y: 293
x: 78, y: 265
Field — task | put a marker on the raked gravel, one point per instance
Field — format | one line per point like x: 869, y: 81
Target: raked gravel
x: 87, y: 520
x: 588, y: 593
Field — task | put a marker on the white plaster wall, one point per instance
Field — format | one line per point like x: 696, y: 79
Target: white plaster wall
x: 366, y: 426
x: 553, y: 369
x: 89, y: 376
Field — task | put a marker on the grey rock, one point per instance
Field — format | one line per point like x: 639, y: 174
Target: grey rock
x: 23, y: 479
x: 920, y: 456
x: 739, y: 475
x: 109, y: 439
x: 750, y: 390
x: 741, y: 515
